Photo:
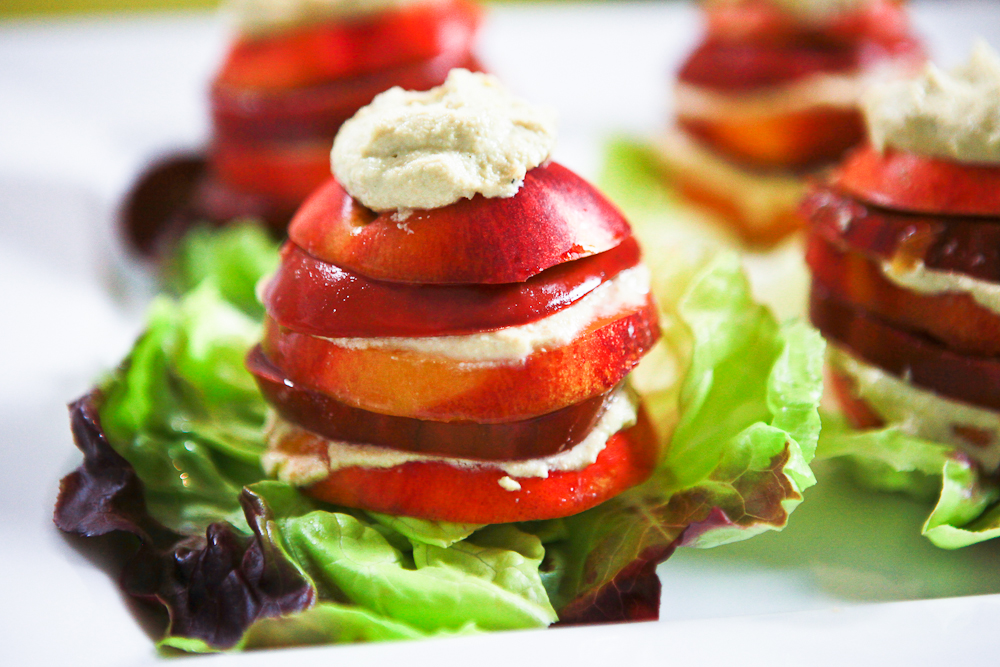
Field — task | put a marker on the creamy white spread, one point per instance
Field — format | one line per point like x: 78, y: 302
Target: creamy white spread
x: 920, y: 412
x: 918, y: 278
x: 953, y: 115
x: 808, y: 10
x: 469, y: 136
x: 835, y: 91
x: 509, y: 484
x: 759, y: 196
x: 261, y: 17
x: 626, y: 291
x: 302, y: 470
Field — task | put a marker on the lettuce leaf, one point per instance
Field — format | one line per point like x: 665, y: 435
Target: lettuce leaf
x: 967, y: 503
x: 240, y: 561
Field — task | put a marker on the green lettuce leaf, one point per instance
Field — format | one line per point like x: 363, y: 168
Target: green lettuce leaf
x: 967, y: 507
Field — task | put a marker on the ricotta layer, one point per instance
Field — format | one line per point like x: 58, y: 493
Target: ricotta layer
x: 918, y: 278
x: 759, y: 196
x: 810, y: 11
x: 261, y: 17
x: 837, y: 91
x: 952, y: 115
x: 920, y: 412
x: 468, y: 136
x: 305, y: 469
x: 626, y: 291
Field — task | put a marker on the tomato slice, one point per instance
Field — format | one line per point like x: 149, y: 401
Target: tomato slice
x: 327, y: 51
x: 960, y: 244
x: 919, y: 184
x: 424, y: 386
x: 954, y: 318
x: 555, y: 217
x: 319, y: 111
x: 505, y: 441
x: 922, y: 361
x: 299, y: 294
x: 439, y: 491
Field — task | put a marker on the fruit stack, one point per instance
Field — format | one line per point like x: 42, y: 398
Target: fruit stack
x: 462, y: 363
x: 772, y: 93
x: 905, y: 254
x: 289, y: 82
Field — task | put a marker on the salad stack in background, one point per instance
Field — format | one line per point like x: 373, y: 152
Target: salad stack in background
x: 771, y: 95
x: 903, y: 252
x: 293, y: 74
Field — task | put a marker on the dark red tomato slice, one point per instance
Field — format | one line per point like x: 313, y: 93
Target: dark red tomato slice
x: 555, y: 217
x: 505, y: 441
x: 428, y: 386
x: 441, y: 492
x: 318, y: 111
x: 955, y: 319
x: 959, y: 244
x: 919, y: 184
x: 924, y: 362
x: 285, y: 171
x: 315, y: 297
x: 309, y: 55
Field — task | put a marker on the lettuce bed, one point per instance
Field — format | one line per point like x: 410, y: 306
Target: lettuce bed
x: 172, y: 443
x: 966, y: 502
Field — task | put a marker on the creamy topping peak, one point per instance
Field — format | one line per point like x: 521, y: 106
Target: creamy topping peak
x: 429, y: 149
x: 953, y: 115
x: 260, y: 17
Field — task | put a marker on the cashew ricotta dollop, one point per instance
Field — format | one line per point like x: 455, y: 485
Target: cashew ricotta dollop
x: 262, y: 17
x: 419, y: 150
x: 808, y: 11
x: 952, y: 115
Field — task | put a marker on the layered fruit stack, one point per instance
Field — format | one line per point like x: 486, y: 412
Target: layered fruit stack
x: 465, y: 362
x: 290, y: 81
x: 905, y: 254
x: 772, y: 93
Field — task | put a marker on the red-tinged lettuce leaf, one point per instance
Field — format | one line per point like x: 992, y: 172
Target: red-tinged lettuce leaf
x: 746, y: 426
x: 214, y: 586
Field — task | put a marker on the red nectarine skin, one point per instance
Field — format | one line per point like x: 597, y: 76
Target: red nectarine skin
x: 955, y: 319
x: 555, y: 217
x: 410, y: 384
x: 923, y: 362
x: 441, y: 492
x: 240, y: 114
x: 315, y: 297
x: 960, y: 244
x: 526, y: 439
x: 290, y: 171
x: 919, y: 184
x: 330, y: 50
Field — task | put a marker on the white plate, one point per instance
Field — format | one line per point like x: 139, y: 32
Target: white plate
x: 85, y: 103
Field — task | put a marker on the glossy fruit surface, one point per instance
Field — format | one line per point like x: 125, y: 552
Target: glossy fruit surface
x: 314, y: 297
x: 329, y: 50
x: 555, y: 217
x: 960, y: 244
x: 919, y: 184
x: 525, y: 439
x: 442, y: 492
x: 922, y: 361
x: 954, y: 319
x: 424, y: 386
